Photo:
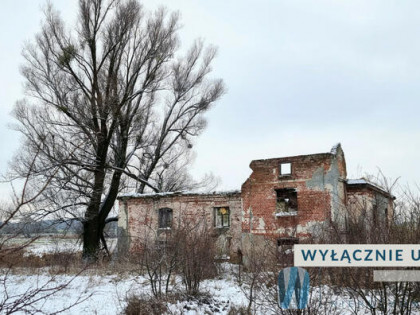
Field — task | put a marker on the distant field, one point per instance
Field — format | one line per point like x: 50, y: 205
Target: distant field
x: 54, y: 244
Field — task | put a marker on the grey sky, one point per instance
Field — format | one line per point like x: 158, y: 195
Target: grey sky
x: 301, y: 76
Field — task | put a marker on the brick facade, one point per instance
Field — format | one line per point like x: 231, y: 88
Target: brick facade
x: 139, y: 216
x: 289, y: 197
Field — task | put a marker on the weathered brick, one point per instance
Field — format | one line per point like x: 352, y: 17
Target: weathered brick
x: 319, y: 181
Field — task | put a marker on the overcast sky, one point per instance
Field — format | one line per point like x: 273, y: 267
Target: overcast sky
x: 301, y: 76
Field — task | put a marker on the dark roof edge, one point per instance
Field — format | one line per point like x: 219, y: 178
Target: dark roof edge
x: 333, y: 152
x: 294, y: 156
x: 177, y: 193
x: 363, y: 182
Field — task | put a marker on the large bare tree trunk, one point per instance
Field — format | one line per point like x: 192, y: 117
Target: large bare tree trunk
x: 91, y: 238
x: 110, y: 102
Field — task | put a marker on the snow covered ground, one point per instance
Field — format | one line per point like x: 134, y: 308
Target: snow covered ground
x: 107, y: 294
x: 106, y: 291
x: 47, y: 245
x: 50, y: 245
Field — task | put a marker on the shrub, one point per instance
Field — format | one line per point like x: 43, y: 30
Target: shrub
x: 187, y: 249
x: 238, y: 311
x: 144, y: 306
x: 197, y: 254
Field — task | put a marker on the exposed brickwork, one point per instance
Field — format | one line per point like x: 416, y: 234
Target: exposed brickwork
x: 143, y: 214
x: 309, y: 178
x: 317, y: 184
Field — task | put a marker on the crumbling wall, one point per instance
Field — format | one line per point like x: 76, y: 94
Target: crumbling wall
x: 319, y: 181
x: 282, y: 201
x: 123, y: 243
x: 142, y: 221
x: 362, y: 200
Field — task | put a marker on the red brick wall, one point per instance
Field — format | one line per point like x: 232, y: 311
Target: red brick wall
x: 313, y: 194
x: 318, y: 179
x: 143, y: 216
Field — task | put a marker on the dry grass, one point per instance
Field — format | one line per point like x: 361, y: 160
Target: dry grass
x: 68, y: 263
x: 20, y: 256
x: 145, y: 306
x: 57, y: 262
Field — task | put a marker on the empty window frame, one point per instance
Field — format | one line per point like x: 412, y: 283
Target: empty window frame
x: 285, y: 169
x: 286, y: 200
x: 380, y: 210
x: 221, y: 217
x: 375, y: 212
x: 287, y: 241
x: 165, y: 218
x: 285, y: 245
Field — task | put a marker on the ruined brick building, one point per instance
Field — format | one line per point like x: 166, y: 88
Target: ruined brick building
x: 284, y: 199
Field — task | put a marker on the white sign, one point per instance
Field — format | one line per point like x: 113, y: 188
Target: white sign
x: 357, y: 255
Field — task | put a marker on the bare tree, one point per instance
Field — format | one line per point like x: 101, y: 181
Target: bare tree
x: 113, y: 92
x: 32, y: 299
x: 173, y: 174
x: 367, y: 223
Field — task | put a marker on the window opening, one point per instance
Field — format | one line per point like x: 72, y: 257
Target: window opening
x: 165, y: 218
x: 286, y: 200
x: 285, y: 169
x: 221, y: 217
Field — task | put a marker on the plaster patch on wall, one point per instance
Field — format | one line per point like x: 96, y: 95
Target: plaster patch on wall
x: 261, y: 224
x: 327, y: 181
x: 317, y: 180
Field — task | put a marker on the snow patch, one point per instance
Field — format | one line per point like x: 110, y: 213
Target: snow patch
x: 286, y: 214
